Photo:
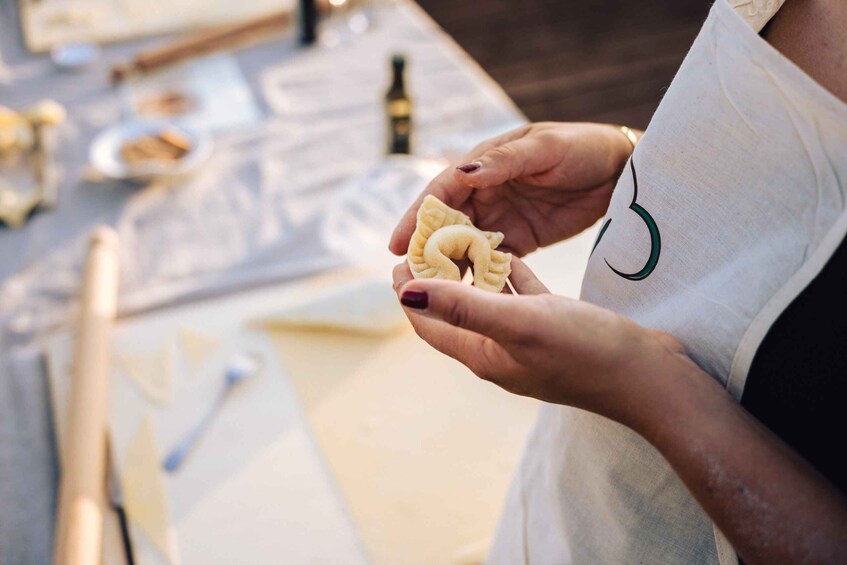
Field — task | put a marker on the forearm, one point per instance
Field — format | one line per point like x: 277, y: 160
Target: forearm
x: 768, y: 501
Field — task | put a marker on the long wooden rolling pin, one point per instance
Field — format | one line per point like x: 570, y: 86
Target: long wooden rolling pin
x: 222, y: 37
x: 79, y: 525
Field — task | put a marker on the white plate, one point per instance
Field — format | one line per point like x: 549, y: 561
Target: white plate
x: 105, y: 152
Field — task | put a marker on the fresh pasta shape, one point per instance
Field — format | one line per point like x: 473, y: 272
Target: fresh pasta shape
x: 443, y: 235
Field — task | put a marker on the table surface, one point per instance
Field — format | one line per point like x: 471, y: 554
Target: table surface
x: 251, y: 216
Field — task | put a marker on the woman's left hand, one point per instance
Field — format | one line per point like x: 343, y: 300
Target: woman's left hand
x: 536, y: 344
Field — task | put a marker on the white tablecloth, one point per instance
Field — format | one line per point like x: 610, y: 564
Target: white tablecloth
x: 276, y: 201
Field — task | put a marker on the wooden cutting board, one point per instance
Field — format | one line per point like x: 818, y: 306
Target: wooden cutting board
x: 47, y: 23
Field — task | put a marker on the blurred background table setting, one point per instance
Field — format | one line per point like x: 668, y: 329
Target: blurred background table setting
x: 252, y: 158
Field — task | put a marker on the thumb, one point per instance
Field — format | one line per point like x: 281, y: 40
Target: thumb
x: 512, y: 160
x: 502, y: 317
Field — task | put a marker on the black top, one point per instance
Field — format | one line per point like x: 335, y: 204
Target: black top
x: 797, y: 384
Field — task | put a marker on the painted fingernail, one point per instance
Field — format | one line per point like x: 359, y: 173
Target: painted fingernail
x: 416, y: 299
x: 468, y: 168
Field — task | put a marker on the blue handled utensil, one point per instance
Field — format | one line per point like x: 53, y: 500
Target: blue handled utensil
x: 238, y: 370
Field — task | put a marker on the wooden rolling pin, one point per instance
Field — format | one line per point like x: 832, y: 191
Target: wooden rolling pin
x: 79, y: 525
x: 201, y: 43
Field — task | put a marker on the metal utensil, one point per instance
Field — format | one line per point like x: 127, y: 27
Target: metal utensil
x: 238, y: 370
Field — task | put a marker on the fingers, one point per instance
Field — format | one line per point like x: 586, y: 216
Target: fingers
x: 482, y: 355
x: 401, y: 274
x: 514, y: 159
x: 445, y: 188
x: 448, y: 188
x: 469, y: 308
x: 524, y: 280
x: 504, y: 318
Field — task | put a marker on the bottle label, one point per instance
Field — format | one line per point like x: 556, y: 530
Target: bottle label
x: 399, y: 108
x: 399, y: 140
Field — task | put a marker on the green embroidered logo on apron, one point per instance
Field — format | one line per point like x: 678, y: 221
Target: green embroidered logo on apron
x: 655, y: 237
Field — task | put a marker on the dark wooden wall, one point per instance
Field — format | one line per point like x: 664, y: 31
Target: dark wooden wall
x: 589, y: 60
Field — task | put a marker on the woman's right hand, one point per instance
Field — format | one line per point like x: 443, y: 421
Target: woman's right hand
x: 538, y: 184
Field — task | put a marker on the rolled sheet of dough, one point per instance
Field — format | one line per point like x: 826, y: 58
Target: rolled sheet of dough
x: 197, y: 347
x: 153, y: 372
x: 145, y: 497
x: 367, y: 306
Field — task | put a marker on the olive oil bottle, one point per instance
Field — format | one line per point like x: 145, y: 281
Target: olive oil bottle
x: 308, y: 22
x: 398, y: 109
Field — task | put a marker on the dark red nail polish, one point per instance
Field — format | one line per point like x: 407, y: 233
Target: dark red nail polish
x: 417, y: 299
x: 468, y: 168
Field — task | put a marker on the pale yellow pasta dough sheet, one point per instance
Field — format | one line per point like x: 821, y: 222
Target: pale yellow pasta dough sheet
x: 197, y: 348
x: 144, y: 491
x: 422, y: 450
x: 151, y: 371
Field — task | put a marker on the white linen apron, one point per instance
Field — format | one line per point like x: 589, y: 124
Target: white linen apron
x: 731, y: 204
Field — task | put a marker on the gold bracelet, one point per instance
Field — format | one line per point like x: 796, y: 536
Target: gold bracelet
x: 630, y: 135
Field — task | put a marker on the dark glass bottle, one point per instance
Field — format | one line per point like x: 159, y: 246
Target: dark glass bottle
x: 398, y: 109
x: 308, y: 21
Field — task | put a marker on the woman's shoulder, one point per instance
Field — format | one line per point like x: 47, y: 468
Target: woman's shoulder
x: 811, y: 35
x: 757, y: 13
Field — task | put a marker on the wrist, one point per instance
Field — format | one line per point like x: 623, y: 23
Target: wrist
x: 681, y: 396
x: 658, y: 380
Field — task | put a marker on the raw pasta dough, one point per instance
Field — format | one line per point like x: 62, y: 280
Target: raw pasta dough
x: 197, y: 348
x: 366, y: 306
x: 145, y: 494
x: 443, y: 235
x: 152, y: 371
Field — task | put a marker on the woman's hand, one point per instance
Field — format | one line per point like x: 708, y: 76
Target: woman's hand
x: 770, y: 503
x: 549, y: 347
x: 538, y: 184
